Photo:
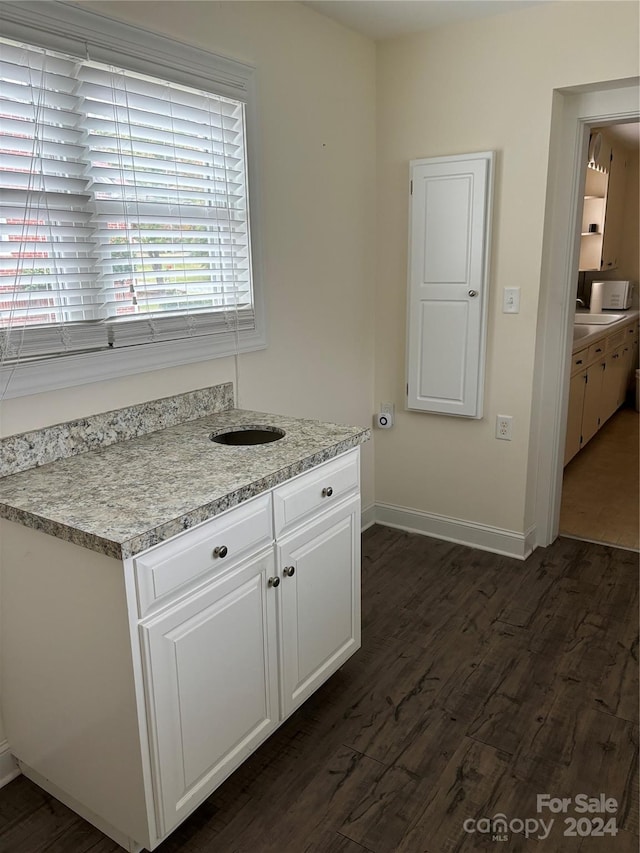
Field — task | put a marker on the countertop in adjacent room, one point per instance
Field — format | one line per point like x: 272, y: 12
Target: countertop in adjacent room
x: 595, y: 333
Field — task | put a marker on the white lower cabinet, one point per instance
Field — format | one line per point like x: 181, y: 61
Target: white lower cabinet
x: 132, y: 689
x: 600, y: 376
x: 211, y: 682
x: 593, y: 412
x: 225, y: 664
x: 319, y: 601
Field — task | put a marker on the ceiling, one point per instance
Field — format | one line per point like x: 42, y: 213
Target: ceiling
x: 380, y: 19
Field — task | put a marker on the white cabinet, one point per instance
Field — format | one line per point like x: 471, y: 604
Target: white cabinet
x: 211, y: 682
x: 574, y: 416
x: 592, y: 413
x: 320, y: 600
x: 600, y: 375
x: 612, y: 382
x: 448, y: 286
x: 132, y: 689
x: 614, y: 216
x: 602, y: 212
x: 260, y: 633
x: 593, y: 218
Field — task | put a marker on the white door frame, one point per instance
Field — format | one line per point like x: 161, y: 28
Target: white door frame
x: 574, y: 112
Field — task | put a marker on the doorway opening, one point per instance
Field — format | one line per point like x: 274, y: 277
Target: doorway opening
x: 600, y: 486
x: 575, y: 112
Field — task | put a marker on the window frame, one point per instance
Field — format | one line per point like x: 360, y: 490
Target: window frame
x: 66, y: 28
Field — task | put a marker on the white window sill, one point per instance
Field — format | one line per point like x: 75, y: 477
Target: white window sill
x: 39, y: 375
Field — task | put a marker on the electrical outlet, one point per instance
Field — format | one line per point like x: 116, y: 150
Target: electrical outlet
x: 384, y: 418
x: 504, y: 426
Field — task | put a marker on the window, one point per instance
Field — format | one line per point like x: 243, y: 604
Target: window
x: 125, y: 219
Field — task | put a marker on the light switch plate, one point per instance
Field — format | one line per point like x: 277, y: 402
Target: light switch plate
x: 511, y: 300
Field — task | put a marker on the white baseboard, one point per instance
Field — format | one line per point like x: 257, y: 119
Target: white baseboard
x: 509, y: 543
x: 8, y: 765
x: 367, y: 517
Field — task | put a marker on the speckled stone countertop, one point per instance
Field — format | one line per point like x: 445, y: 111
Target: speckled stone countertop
x: 123, y: 498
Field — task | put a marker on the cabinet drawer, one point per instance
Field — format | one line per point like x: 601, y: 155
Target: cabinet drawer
x: 315, y: 491
x: 596, y: 351
x: 579, y: 361
x: 183, y: 562
x: 615, y: 339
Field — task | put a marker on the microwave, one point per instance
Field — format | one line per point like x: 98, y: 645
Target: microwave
x: 616, y: 294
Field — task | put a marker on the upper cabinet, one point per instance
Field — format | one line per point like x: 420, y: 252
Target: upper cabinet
x: 602, y: 212
x: 449, y: 240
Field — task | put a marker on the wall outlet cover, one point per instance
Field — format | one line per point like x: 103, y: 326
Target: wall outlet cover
x: 504, y: 427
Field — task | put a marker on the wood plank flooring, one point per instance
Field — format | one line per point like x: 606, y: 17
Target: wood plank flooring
x: 601, y: 486
x: 482, y: 682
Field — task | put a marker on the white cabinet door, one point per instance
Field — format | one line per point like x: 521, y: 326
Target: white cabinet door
x: 612, y: 384
x: 211, y: 679
x: 614, y: 217
x: 592, y: 407
x: 449, y: 240
x: 319, y: 601
x: 574, y: 416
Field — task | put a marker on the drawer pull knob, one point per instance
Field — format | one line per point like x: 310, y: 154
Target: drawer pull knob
x: 274, y: 582
x: 579, y: 361
x: 221, y: 551
x: 289, y: 571
x: 327, y: 492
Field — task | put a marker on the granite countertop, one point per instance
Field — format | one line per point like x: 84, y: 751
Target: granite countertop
x: 595, y: 333
x: 123, y: 498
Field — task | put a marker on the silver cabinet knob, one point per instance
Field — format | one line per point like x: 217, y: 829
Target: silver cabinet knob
x: 289, y: 571
x: 327, y: 492
x: 473, y: 293
x: 221, y: 551
x: 274, y: 581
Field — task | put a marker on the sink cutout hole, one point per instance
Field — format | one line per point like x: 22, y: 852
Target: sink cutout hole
x: 247, y: 436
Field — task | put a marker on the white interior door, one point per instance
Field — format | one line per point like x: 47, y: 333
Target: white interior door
x: 448, y: 268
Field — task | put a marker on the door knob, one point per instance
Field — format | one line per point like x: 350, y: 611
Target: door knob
x: 473, y: 293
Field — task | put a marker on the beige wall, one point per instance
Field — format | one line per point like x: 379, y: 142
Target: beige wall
x: 316, y: 91
x: 316, y: 103
x: 476, y: 86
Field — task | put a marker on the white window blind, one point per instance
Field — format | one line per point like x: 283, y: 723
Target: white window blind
x: 125, y: 207
x: 48, y: 278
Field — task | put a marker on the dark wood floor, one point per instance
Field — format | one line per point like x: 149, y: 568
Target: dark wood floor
x: 482, y: 682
